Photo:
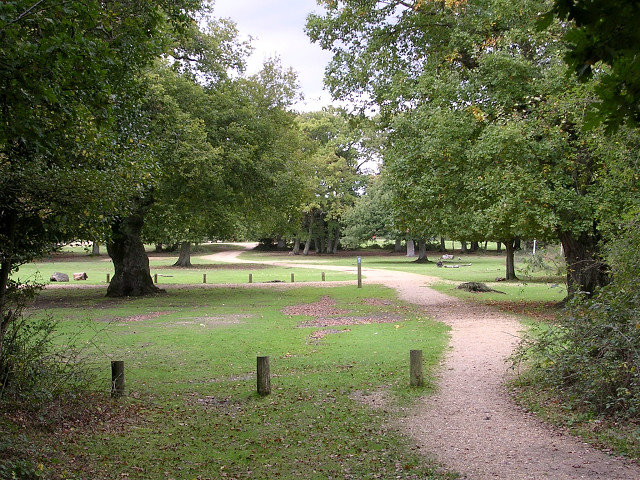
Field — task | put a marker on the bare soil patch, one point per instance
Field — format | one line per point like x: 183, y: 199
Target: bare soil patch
x: 322, y: 308
x: 141, y: 317
x: 218, y: 320
x: 344, y: 321
x: 320, y: 334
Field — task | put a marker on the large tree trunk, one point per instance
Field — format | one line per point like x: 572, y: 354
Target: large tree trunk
x: 422, y: 252
x: 132, y: 275
x: 511, y: 265
x: 282, y: 243
x: 397, y: 248
x: 307, y: 246
x: 411, y: 249
x: 333, y: 244
x: 443, y: 245
x: 296, y: 246
x: 463, y: 247
x: 184, y: 259
x: 475, y: 246
x: 585, y: 269
x: 95, y: 249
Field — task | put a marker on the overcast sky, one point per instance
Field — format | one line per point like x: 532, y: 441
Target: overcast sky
x: 278, y: 30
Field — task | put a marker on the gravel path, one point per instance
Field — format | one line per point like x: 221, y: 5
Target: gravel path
x: 471, y: 425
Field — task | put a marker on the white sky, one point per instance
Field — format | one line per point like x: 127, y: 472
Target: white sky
x: 277, y: 27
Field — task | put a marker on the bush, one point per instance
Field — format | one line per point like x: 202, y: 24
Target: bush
x: 591, y: 357
x: 33, y: 371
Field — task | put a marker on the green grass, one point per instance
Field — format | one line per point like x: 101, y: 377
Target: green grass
x: 97, y: 269
x: 190, y: 355
x: 192, y: 410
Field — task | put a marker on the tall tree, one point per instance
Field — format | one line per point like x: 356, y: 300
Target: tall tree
x: 336, y: 158
x: 65, y: 69
x: 485, y: 59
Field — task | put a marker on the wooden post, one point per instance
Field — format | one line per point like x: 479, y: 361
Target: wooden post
x: 264, y: 376
x: 117, y: 378
x: 359, y: 272
x: 204, y: 278
x: 323, y: 277
x: 155, y: 278
x: 108, y: 277
x: 415, y: 369
x: 292, y: 278
x: 251, y: 278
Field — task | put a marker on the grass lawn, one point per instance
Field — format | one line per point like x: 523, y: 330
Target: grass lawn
x: 192, y: 411
x: 97, y: 269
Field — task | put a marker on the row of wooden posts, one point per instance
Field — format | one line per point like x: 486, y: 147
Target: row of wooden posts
x: 263, y: 374
x: 204, y: 276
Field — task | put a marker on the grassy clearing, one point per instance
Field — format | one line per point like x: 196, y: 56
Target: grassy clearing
x: 192, y: 412
x: 537, y: 288
x: 98, y: 267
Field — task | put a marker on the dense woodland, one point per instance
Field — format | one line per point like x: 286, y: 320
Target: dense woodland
x: 487, y: 120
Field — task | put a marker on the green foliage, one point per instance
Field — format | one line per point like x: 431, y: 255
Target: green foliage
x: 603, y: 42
x: 592, y: 356
x: 34, y: 370
x: 67, y: 69
x: 371, y: 215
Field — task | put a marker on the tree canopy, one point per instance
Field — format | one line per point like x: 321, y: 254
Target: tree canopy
x: 604, y: 40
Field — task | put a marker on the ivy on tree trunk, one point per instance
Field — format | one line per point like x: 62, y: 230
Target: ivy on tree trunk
x: 585, y: 269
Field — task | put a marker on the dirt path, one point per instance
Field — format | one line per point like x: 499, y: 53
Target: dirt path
x: 471, y: 425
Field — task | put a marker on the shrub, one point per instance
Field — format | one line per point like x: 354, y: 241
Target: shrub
x: 33, y: 370
x: 591, y: 357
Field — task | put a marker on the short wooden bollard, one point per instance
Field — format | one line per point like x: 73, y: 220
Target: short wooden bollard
x: 251, y: 278
x: 117, y: 378
x: 292, y: 278
x: 323, y: 277
x: 204, y: 278
x: 108, y: 278
x: 155, y: 278
x: 415, y: 369
x: 264, y: 376
x: 359, y: 272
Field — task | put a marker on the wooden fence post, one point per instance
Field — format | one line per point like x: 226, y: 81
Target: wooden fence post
x: 251, y: 278
x: 292, y: 278
x: 323, y: 277
x: 415, y: 368
x: 155, y: 278
x: 359, y: 272
x: 204, y: 278
x: 108, y: 277
x: 117, y: 378
x: 264, y: 376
